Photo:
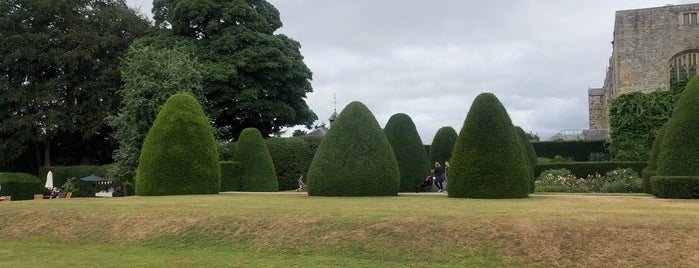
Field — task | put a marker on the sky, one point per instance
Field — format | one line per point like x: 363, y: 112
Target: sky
x: 430, y: 59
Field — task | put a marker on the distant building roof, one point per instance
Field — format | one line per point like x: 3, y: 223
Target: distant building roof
x: 595, y: 91
x: 320, y: 131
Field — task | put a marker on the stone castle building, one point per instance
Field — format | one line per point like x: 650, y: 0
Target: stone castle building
x: 651, y: 47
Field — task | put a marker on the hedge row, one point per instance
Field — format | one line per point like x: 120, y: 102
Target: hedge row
x: 578, y: 150
x: 20, y: 186
x: 582, y: 169
x: 686, y: 187
x: 230, y: 175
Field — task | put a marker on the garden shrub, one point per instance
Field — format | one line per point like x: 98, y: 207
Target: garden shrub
x: 684, y: 187
x: 531, y: 155
x: 562, y: 180
x: 354, y: 158
x: 622, y: 180
x: 291, y: 158
x: 21, y: 186
x: 256, y: 167
x: 442, y: 145
x: 652, y: 167
x: 408, y: 150
x: 575, y: 150
x: 230, y: 175
x: 680, y: 142
x: 489, y: 160
x: 582, y: 169
x: 179, y: 154
x: 598, y: 157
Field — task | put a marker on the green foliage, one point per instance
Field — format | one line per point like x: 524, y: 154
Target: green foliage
x: 58, y: 76
x: 257, y: 168
x: 408, y: 150
x: 582, y: 169
x: 442, y: 145
x: 81, y: 188
x: 682, y: 187
x: 291, y: 157
x: 531, y: 155
x: 622, y: 180
x: 561, y: 180
x: 254, y: 77
x: 489, y: 160
x: 230, y: 175
x: 129, y: 188
x: 179, y: 154
x: 634, y: 120
x: 598, y: 156
x: 680, y: 142
x: 652, y: 167
x: 577, y: 150
x: 61, y: 174
x: 20, y: 186
x: 151, y: 76
x: 354, y: 158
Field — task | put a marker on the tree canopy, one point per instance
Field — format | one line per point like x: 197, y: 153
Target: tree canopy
x: 254, y: 78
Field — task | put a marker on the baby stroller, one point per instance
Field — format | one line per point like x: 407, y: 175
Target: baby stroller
x: 425, y: 186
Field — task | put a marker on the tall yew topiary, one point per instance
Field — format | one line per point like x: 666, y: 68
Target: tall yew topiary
x: 408, y: 150
x: 680, y: 142
x: 650, y: 170
x: 179, y: 153
x: 442, y: 145
x: 531, y: 155
x: 257, y: 169
x: 489, y: 159
x: 354, y: 158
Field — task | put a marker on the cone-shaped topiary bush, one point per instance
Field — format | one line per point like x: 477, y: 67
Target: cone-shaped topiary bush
x: 650, y: 170
x: 488, y: 160
x: 531, y: 155
x: 257, y: 169
x: 179, y: 154
x: 442, y: 145
x: 408, y: 149
x: 354, y: 158
x: 680, y: 142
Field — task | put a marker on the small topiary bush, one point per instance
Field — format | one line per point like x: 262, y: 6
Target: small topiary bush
x: 256, y: 166
x: 622, y: 180
x: 354, y: 158
x: 179, y: 154
x: 442, y: 145
x: 230, y: 175
x: 20, y: 186
x: 684, y: 187
x: 408, y: 149
x: 489, y: 160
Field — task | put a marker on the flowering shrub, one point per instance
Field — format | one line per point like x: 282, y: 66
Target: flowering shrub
x: 560, y: 180
x: 622, y: 180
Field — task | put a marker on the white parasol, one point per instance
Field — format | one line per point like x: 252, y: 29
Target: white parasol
x: 49, y: 180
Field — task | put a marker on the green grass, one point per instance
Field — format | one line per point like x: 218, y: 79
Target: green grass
x: 294, y: 230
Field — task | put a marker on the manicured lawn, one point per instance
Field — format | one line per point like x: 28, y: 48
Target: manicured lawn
x: 294, y: 230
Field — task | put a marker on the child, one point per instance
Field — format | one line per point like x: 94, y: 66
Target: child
x: 54, y: 193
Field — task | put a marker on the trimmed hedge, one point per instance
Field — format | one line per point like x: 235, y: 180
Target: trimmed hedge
x: 257, y: 169
x: 179, y: 154
x: 230, y: 175
x: 531, y: 155
x: 442, y: 145
x: 685, y: 187
x: 21, y: 186
x: 355, y: 158
x: 652, y: 167
x: 291, y: 157
x: 680, y: 143
x: 582, y: 169
x: 577, y: 150
x: 408, y: 150
x: 489, y: 160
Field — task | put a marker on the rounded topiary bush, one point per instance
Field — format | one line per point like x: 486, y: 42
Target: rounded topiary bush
x: 531, y: 155
x: 408, y: 150
x: 291, y: 157
x: 680, y: 142
x: 179, y: 154
x: 650, y: 170
x: 230, y: 175
x: 256, y: 167
x: 488, y: 160
x: 442, y: 145
x: 354, y: 158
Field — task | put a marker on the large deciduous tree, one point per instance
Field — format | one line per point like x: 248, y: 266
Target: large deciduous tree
x: 254, y: 78
x: 58, y: 72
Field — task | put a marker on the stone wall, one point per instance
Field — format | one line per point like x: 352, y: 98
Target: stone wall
x: 597, y: 109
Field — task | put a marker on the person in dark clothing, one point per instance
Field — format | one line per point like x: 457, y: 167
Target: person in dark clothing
x: 438, y: 176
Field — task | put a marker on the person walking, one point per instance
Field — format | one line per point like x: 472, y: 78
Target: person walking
x: 438, y: 176
x: 446, y: 175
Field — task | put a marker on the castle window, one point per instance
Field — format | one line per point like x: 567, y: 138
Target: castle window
x: 683, y: 65
x: 690, y: 18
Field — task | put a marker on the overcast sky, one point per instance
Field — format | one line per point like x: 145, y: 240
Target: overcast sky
x: 430, y: 59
